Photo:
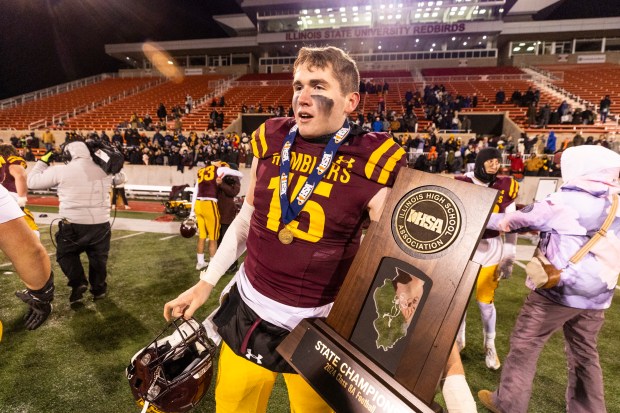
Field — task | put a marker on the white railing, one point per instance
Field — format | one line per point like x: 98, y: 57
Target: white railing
x: 475, y: 78
x: 54, y: 90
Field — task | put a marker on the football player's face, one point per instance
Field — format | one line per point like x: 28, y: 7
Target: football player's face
x: 491, y: 166
x: 319, y: 104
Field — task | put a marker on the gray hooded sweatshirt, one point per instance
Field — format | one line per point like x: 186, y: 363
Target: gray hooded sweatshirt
x: 83, y: 187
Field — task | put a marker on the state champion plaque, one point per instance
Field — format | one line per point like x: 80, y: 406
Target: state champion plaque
x: 386, y: 341
x: 427, y: 221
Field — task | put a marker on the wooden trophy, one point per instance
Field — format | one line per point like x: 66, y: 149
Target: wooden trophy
x: 388, y: 336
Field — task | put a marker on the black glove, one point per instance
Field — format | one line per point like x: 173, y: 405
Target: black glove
x: 39, y: 302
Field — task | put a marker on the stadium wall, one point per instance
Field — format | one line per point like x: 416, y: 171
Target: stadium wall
x: 553, y: 59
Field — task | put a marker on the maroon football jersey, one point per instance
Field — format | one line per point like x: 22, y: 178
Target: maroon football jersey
x: 207, y: 186
x: 508, y: 190
x: 309, y: 271
x: 7, y: 180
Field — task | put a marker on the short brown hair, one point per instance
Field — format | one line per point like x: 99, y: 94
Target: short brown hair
x: 7, y: 150
x: 344, y: 68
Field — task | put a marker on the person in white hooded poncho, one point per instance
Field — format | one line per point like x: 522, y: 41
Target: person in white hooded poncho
x: 83, y: 192
x: 567, y: 220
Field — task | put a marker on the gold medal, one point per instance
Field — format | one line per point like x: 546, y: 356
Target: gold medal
x: 285, y: 236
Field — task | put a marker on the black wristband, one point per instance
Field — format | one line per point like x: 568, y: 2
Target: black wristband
x: 45, y: 294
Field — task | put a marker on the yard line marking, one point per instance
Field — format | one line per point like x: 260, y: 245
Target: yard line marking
x: 165, y: 238
x: 8, y: 264
x: 128, y: 236
x: 520, y: 264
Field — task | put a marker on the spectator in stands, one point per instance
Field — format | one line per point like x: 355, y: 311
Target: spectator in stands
x: 362, y: 86
x: 604, y: 106
x: 474, y: 101
x: 516, y: 98
x: 529, y: 143
x: 386, y: 88
x: 48, y: 140
x: 470, y: 158
x: 531, y: 114
x: 532, y: 165
x: 222, y: 101
x: 500, y: 96
x: 377, y: 125
x: 545, y: 169
x: 466, y: 124
x: 408, y: 97
x: 162, y: 113
x: 544, y: 116
x: 551, y: 143
x: 117, y: 138
x: 529, y: 98
x: 587, y: 116
x: 259, y: 108
x: 577, y: 117
x: 516, y: 164
x: 189, y: 103
x: 147, y: 121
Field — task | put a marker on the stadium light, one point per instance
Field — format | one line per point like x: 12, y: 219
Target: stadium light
x: 342, y: 9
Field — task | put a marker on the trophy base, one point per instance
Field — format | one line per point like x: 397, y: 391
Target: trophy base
x: 346, y: 379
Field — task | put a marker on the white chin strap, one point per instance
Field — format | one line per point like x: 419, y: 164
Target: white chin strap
x: 146, y: 407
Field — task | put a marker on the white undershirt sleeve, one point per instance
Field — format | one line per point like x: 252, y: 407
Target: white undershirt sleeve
x: 232, y: 246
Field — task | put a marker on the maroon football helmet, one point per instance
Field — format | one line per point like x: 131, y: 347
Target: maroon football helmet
x: 173, y: 373
x: 188, y: 227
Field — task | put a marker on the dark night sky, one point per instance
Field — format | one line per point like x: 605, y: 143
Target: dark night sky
x: 48, y: 42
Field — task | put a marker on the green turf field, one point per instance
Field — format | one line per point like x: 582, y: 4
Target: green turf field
x: 76, y: 361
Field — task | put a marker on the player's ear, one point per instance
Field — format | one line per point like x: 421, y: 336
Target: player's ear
x: 352, y: 100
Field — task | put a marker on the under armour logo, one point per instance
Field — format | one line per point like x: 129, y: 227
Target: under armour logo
x: 258, y: 358
x: 345, y: 163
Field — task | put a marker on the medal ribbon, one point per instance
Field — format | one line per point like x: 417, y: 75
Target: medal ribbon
x: 292, y: 209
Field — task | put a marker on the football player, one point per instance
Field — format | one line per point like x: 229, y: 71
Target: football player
x: 204, y: 206
x: 30, y: 260
x: 314, y: 179
x: 496, y: 256
x: 13, y: 178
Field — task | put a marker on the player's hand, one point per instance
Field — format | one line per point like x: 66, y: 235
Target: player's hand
x: 505, y: 267
x: 48, y: 157
x: 39, y: 309
x: 188, y: 302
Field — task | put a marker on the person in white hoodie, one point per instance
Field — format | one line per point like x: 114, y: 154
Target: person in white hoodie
x: 83, y: 192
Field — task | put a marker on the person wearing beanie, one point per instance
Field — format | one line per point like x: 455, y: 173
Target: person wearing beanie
x: 576, y: 304
x: 494, y: 254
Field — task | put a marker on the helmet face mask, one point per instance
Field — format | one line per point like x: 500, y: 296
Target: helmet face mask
x: 188, y: 228
x: 173, y: 372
